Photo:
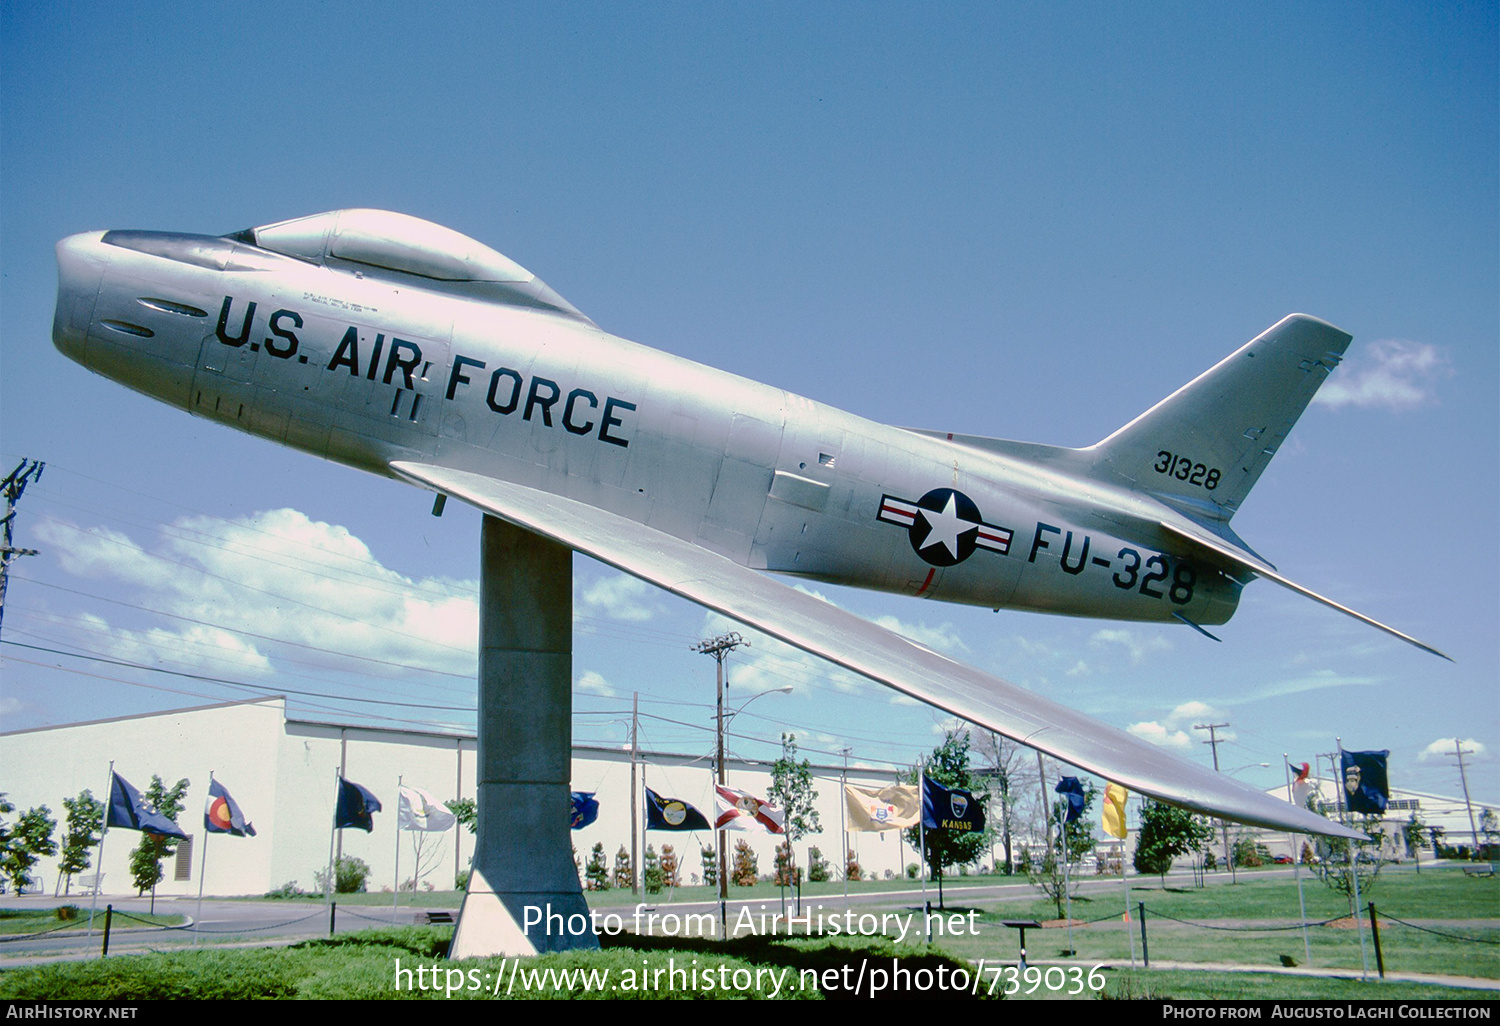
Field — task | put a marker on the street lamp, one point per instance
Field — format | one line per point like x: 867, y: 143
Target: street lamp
x: 1224, y: 823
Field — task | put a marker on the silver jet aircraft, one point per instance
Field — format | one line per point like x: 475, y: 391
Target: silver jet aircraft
x: 409, y: 350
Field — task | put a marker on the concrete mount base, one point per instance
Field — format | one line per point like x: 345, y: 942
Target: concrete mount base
x: 523, y: 862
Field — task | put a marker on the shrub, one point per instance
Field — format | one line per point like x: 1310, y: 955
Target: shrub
x: 349, y: 876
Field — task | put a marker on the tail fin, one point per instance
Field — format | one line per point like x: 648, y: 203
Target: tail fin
x: 1205, y: 445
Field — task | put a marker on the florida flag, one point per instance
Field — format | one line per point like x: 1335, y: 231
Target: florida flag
x: 737, y: 810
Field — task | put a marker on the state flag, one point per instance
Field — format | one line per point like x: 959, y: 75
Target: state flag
x: 356, y: 807
x: 1114, y: 810
x: 583, y: 809
x: 1365, y: 788
x: 418, y: 810
x: 738, y: 810
x: 221, y: 815
x: 1071, y: 788
x: 672, y: 814
x: 129, y: 810
x: 882, y: 808
x: 950, y: 808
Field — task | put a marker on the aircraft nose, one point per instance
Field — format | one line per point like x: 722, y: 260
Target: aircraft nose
x: 80, y: 268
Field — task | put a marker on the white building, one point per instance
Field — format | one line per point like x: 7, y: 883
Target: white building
x: 281, y: 772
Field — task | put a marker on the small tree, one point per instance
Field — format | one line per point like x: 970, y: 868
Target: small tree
x: 146, y: 857
x: 1167, y: 832
x: 466, y: 811
x: 25, y: 843
x: 1346, y: 866
x: 624, y: 870
x: 84, y: 823
x: 817, y: 865
x: 792, y: 789
x: 596, y: 874
x: 652, y: 877
x: 746, y: 869
x: 671, y: 872
x: 710, y: 858
x: 786, y: 874
x: 1051, y: 874
x: 1245, y: 853
x: 948, y: 765
x: 852, y: 871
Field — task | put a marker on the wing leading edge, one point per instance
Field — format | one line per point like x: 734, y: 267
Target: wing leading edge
x: 824, y: 630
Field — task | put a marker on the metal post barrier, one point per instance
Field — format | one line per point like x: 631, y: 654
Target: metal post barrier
x: 333, y: 911
x: 109, y: 915
x: 1375, y: 932
x: 1145, y: 949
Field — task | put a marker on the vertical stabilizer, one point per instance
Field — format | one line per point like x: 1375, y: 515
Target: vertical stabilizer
x: 1205, y: 445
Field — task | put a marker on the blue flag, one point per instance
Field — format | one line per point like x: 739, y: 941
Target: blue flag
x: 672, y: 814
x: 949, y: 808
x: 222, y: 816
x: 1071, y: 788
x: 129, y: 810
x: 1365, y: 786
x: 356, y: 807
x: 583, y: 810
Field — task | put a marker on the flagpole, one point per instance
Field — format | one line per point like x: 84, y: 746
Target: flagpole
x: 332, y: 833
x: 396, y: 888
x: 1062, y: 840
x: 1125, y: 879
x: 1291, y: 796
x: 843, y: 828
x: 203, y: 864
x: 1364, y: 959
x: 109, y: 795
x: 922, y: 851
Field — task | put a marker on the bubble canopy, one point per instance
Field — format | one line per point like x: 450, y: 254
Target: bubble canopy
x: 385, y: 239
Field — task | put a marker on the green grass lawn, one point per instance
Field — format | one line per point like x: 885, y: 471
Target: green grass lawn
x: 70, y: 917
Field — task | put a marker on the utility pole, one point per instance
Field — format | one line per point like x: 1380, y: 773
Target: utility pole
x: 719, y: 648
x: 13, y: 487
x: 1458, y: 752
x: 1213, y: 742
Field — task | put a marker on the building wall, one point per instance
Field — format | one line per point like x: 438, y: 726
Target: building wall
x: 42, y: 767
x: 281, y: 773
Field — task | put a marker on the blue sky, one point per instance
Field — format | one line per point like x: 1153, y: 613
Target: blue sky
x: 1028, y: 221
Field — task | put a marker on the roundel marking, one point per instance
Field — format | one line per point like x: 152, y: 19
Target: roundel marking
x: 944, y: 530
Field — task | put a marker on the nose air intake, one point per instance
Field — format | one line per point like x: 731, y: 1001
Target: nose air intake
x: 78, y: 276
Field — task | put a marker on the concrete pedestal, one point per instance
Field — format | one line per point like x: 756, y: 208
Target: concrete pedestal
x: 524, y: 897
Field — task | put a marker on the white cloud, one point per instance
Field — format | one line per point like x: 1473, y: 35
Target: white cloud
x: 280, y: 575
x: 1173, y: 730
x: 1159, y: 734
x: 1079, y: 669
x: 1443, y: 748
x: 943, y: 638
x: 1391, y: 373
x: 1315, y: 681
x: 1193, y: 710
x: 1138, y: 648
x: 594, y: 683
x: 619, y: 596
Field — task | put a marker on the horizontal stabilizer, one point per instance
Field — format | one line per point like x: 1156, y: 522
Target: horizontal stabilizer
x: 1240, y: 562
x: 818, y: 627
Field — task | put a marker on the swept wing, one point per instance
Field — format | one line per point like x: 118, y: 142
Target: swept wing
x: 841, y: 637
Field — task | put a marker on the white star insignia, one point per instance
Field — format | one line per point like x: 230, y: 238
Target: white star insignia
x: 946, y: 527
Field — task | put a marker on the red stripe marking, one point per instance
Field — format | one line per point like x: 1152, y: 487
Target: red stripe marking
x: 925, y: 583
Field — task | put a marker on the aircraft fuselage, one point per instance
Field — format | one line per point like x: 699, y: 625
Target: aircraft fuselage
x: 371, y: 369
